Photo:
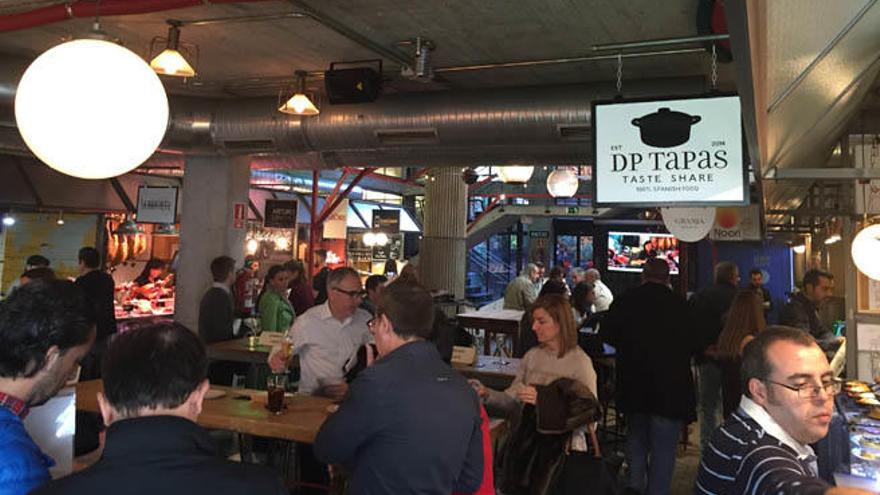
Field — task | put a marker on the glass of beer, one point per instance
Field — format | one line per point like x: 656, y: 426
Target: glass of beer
x: 276, y: 385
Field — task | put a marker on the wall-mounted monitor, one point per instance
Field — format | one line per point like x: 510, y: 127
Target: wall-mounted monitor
x: 628, y: 251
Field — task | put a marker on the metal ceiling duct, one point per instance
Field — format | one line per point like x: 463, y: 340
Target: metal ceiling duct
x: 536, y: 125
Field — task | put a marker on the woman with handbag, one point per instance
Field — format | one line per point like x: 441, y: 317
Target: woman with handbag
x: 556, y: 369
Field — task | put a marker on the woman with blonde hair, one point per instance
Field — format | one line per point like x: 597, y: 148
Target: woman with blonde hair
x: 745, y: 319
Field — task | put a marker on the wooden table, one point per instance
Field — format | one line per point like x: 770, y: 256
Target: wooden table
x: 238, y: 350
x: 492, y: 371
x: 505, y: 321
x: 300, y: 422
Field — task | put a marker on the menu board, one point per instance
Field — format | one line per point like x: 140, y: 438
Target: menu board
x: 393, y: 250
x: 387, y: 221
x: 279, y: 214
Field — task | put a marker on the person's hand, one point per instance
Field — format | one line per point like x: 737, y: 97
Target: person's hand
x: 528, y: 395
x: 335, y: 392
x: 481, y: 389
x: 278, y: 361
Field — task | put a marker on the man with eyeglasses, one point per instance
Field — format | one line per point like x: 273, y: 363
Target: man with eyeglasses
x: 763, y: 447
x: 327, y: 336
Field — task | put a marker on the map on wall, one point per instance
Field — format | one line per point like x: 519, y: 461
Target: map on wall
x: 38, y: 233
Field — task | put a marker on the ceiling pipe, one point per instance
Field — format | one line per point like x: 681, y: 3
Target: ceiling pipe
x: 91, y: 9
x: 681, y: 40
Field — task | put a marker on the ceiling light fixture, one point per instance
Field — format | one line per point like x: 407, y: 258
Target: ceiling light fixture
x: 515, y: 174
x: 60, y: 220
x: 562, y: 183
x: 832, y: 239
x: 91, y: 109
x: 8, y: 220
x: 799, y: 249
x: 864, y: 251
x: 170, y: 62
x: 299, y: 103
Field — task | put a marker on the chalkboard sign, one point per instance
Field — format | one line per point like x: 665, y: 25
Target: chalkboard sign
x: 387, y: 221
x: 279, y: 214
x: 392, y: 250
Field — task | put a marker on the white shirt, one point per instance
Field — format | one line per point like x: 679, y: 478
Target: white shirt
x: 771, y: 427
x: 324, y: 344
x: 604, y: 297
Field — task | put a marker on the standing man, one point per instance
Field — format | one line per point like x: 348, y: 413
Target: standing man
x: 756, y: 283
x: 803, y: 309
x: 319, y: 283
x: 45, y: 329
x: 649, y: 327
x: 154, y: 387
x: 578, y: 275
x: 709, y: 308
x: 374, y: 285
x: 99, y: 288
x: 410, y: 424
x: 33, y: 261
x: 217, y: 316
x: 247, y: 287
x: 520, y: 292
x: 764, y: 446
x: 604, y: 296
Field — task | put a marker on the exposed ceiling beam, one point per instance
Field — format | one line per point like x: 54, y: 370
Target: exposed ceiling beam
x: 813, y: 174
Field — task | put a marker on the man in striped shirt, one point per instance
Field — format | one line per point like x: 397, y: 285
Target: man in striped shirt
x: 763, y: 447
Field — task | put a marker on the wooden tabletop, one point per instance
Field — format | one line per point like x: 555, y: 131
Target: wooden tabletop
x: 238, y: 350
x: 300, y: 421
x: 497, y: 315
x: 491, y: 367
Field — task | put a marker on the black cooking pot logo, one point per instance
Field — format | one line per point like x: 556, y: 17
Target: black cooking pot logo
x: 665, y: 128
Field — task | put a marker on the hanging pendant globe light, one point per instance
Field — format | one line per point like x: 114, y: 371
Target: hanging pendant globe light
x: 91, y: 109
x: 515, y: 174
x: 864, y: 251
x: 562, y: 183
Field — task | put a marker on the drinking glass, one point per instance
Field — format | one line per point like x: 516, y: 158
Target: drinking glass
x: 276, y: 385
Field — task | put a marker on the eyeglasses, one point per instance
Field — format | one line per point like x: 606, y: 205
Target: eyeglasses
x: 352, y: 293
x: 372, y: 321
x: 808, y: 391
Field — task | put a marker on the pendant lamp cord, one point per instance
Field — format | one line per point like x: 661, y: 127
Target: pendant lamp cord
x: 97, y: 23
x: 714, y: 67
x: 619, y: 73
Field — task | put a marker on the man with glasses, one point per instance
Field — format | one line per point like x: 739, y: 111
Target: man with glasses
x: 763, y: 447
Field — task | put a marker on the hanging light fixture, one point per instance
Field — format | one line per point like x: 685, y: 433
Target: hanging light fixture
x: 90, y: 108
x: 299, y: 103
x: 60, y: 220
x: 381, y: 239
x: 369, y: 239
x: 170, y: 62
x: 562, y: 183
x: 865, y: 247
x: 8, y: 220
x: 799, y: 249
x: 515, y: 174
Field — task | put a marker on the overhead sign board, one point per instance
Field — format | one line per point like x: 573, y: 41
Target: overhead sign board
x: 157, y: 204
x: 669, y: 152
x: 279, y: 214
x: 387, y: 221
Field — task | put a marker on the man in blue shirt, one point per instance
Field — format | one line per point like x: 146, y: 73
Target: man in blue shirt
x: 45, y: 330
x: 409, y: 424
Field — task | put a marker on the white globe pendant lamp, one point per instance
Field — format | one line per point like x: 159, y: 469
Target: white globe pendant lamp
x: 91, y: 108
x: 515, y: 174
x: 865, y: 249
x: 562, y: 183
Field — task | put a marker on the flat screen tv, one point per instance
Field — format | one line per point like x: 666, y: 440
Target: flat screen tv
x: 628, y: 251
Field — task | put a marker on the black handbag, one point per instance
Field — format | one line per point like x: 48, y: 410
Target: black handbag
x: 585, y: 473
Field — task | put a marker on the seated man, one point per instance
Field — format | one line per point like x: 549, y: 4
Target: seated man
x: 154, y: 385
x: 44, y: 332
x: 410, y: 424
x: 763, y: 447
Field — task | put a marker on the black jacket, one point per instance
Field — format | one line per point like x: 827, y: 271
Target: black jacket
x: 164, y: 455
x: 409, y: 424
x: 215, y: 316
x: 533, y: 456
x: 709, y: 307
x: 98, y: 287
x: 655, y: 340
x: 803, y: 314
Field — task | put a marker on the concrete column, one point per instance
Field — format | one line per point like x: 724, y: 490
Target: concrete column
x: 211, y: 188
x: 443, y: 252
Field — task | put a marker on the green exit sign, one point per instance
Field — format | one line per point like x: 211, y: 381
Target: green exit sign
x: 572, y: 210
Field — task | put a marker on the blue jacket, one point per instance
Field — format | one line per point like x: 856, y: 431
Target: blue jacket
x: 23, y: 466
x: 409, y: 425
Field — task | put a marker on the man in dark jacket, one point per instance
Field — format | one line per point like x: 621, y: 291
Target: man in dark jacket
x: 216, y: 317
x: 45, y: 329
x: 710, y: 308
x: 99, y: 290
x: 649, y: 327
x: 410, y: 424
x: 154, y: 385
x: 803, y: 309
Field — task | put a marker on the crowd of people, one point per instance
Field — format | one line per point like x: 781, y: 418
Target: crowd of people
x: 406, y: 421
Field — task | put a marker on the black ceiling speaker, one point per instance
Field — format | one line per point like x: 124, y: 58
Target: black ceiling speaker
x: 354, y: 85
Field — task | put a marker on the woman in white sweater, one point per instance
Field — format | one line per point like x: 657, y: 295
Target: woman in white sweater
x: 556, y: 356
